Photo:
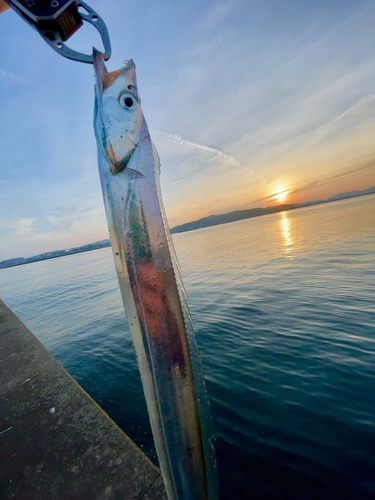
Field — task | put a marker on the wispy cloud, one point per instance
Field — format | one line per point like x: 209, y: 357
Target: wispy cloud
x: 24, y: 226
x: 332, y: 124
x: 327, y: 180
x: 11, y: 76
x: 195, y: 177
x: 198, y: 156
x: 216, y: 15
x: 318, y: 183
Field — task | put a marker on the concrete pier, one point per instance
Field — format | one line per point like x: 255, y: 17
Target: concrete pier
x: 55, y: 441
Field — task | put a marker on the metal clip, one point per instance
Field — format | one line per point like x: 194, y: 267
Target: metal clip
x: 56, y: 21
x: 91, y: 17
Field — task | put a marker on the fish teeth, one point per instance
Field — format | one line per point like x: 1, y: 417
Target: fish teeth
x: 128, y: 64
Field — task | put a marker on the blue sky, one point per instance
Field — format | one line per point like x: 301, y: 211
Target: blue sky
x: 244, y: 99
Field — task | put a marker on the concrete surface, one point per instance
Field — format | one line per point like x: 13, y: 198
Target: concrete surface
x: 55, y: 441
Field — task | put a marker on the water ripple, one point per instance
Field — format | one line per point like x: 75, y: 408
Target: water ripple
x: 283, y: 307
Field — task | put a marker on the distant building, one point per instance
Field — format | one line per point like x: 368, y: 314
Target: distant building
x: 16, y: 260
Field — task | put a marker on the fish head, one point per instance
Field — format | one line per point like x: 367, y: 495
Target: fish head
x: 118, y: 121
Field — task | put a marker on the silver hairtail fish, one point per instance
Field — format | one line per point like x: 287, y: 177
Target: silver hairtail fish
x: 151, y: 287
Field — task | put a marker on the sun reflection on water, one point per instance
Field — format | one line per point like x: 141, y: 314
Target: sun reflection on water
x: 285, y: 232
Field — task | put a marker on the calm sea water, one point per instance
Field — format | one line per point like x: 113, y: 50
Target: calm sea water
x: 284, y: 310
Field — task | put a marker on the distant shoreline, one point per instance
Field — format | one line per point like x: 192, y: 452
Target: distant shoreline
x: 54, y: 255
x: 210, y: 221
x: 216, y: 220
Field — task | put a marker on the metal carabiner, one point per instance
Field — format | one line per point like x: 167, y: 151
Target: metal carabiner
x: 57, y: 20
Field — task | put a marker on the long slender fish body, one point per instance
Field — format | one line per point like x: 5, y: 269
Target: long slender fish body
x: 152, y: 291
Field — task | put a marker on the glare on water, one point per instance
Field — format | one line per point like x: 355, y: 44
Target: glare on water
x: 286, y: 234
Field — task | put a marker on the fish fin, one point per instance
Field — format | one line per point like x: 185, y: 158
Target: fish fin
x: 132, y: 174
x: 156, y: 158
x: 122, y: 166
x: 204, y: 405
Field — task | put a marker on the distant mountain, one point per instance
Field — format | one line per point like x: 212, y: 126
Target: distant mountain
x: 214, y: 220
x: 350, y: 194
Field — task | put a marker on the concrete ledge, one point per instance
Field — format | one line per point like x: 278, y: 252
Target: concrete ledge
x: 55, y: 441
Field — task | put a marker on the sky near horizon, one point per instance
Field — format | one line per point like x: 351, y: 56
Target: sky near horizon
x: 244, y: 99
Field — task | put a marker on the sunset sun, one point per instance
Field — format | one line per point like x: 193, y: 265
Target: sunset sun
x: 281, y: 195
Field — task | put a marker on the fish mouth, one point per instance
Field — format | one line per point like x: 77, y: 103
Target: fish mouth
x: 99, y: 66
x: 103, y: 77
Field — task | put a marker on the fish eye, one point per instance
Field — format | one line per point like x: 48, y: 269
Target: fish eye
x: 128, y: 102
